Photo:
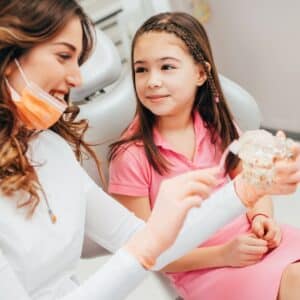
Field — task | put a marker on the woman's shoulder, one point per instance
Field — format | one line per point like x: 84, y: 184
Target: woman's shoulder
x: 48, y: 144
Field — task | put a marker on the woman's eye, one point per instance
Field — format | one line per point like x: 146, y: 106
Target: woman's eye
x: 168, y: 67
x: 63, y: 56
x: 140, y: 70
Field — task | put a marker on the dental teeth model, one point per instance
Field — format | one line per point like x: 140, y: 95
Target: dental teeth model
x: 258, y: 150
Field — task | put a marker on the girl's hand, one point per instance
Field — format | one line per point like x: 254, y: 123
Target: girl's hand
x: 244, y: 250
x: 266, y: 228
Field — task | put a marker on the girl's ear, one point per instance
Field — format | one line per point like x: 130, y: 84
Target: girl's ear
x: 202, y: 76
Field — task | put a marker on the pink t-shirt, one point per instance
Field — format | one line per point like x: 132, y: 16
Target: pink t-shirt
x: 131, y: 174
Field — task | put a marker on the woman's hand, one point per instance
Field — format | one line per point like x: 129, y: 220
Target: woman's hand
x: 266, y: 228
x: 175, y: 198
x: 286, y: 180
x: 244, y: 250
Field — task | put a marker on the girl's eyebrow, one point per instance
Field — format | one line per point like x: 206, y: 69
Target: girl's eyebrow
x: 160, y: 59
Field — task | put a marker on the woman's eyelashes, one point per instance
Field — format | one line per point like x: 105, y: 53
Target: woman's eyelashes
x: 63, y: 57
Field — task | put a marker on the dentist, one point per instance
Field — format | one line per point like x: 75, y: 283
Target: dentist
x: 48, y: 202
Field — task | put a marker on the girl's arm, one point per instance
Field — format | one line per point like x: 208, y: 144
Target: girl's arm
x: 140, y: 206
x: 263, y: 206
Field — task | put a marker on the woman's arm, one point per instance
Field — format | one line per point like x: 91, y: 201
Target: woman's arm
x: 204, y: 257
x: 115, y: 280
x: 264, y: 205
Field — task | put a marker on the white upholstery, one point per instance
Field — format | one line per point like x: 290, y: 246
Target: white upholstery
x: 242, y: 104
x: 110, y: 112
x: 100, y: 70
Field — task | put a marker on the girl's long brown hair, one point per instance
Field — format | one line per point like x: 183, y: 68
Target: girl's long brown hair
x: 209, y: 101
x: 23, y: 25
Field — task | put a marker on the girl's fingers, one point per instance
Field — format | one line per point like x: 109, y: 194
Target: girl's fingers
x: 258, y: 229
x: 252, y: 260
x: 252, y: 240
x: 256, y: 250
x: 270, y: 235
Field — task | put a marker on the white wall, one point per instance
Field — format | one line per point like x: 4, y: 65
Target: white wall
x: 257, y: 44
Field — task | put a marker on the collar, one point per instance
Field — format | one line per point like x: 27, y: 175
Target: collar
x: 199, y: 128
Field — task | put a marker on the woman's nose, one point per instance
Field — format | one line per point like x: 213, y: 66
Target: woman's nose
x: 74, y: 78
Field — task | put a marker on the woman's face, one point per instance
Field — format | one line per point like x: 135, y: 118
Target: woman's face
x: 52, y: 65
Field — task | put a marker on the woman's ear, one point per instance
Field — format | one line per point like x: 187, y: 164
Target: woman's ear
x: 202, y: 76
x: 9, y: 69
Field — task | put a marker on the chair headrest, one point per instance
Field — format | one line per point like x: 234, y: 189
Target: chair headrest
x: 101, y: 69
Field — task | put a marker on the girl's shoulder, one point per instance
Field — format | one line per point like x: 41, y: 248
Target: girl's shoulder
x: 131, y: 157
x: 130, y: 150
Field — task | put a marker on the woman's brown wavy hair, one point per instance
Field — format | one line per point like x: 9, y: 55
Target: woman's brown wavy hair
x: 216, y: 114
x: 23, y: 25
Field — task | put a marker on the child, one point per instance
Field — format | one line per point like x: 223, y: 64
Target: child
x: 182, y: 123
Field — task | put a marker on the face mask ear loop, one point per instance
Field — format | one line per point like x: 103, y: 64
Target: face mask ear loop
x: 21, y: 72
x: 52, y: 216
x: 7, y: 83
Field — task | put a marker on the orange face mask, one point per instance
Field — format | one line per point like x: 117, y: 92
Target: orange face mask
x: 36, y: 108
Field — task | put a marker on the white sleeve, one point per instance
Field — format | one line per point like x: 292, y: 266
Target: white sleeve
x: 115, y: 280
x: 202, y: 222
x: 108, y: 223
x: 111, y: 225
x: 10, y: 286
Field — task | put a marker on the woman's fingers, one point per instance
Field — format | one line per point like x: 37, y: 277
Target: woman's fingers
x: 197, y: 188
x: 206, y: 176
x: 192, y: 201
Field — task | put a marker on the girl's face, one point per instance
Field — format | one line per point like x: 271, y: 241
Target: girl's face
x: 52, y: 65
x: 166, y: 74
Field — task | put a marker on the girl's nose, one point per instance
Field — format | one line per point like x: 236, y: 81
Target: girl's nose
x: 154, y: 80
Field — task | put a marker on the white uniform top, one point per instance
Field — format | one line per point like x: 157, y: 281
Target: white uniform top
x: 39, y: 258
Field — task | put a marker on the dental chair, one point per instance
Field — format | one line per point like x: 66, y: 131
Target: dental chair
x: 106, y: 98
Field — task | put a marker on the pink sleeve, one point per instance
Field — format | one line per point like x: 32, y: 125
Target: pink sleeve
x: 129, y: 173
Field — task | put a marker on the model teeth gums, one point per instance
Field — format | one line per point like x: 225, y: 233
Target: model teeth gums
x: 258, y: 151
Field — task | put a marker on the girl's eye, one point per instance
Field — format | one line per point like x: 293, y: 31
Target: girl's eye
x: 168, y: 67
x: 140, y: 70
